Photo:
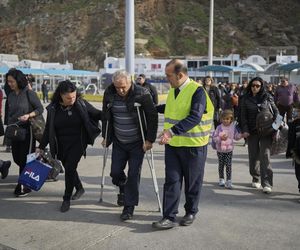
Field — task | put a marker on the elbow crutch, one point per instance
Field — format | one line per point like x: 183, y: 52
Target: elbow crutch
x: 105, y: 155
x: 151, y: 163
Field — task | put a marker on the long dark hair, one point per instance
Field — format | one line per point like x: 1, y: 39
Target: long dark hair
x: 18, y: 76
x: 64, y: 87
x: 262, y: 88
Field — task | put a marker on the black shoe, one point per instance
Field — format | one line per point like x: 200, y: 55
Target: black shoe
x: 164, y: 224
x: 78, y: 194
x: 120, y: 200
x: 187, y: 220
x: 21, y: 191
x: 127, y: 213
x: 4, y: 169
x: 17, y: 189
x: 65, y: 206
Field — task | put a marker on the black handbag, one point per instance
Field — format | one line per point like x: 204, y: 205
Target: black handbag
x: 56, y: 164
x: 38, y: 126
x: 15, y: 133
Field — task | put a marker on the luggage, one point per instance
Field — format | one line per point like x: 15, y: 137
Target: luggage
x: 34, y: 174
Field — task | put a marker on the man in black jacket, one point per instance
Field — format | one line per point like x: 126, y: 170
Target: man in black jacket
x: 214, y: 96
x: 141, y: 80
x: 124, y: 132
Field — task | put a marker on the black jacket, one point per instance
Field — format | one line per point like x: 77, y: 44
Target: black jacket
x: 152, y: 90
x: 214, y: 95
x: 250, y: 107
x: 137, y: 94
x: 293, y: 140
x: 91, y: 130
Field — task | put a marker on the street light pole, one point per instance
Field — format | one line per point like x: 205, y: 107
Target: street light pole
x: 211, y: 33
x: 129, y: 37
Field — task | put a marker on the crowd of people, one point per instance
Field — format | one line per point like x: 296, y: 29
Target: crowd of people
x: 192, y: 110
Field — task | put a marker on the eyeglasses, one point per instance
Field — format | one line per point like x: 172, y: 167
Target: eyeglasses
x: 256, y: 86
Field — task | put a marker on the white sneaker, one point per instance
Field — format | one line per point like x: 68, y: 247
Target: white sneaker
x: 221, y: 182
x: 256, y: 185
x: 228, y: 184
x: 267, y: 190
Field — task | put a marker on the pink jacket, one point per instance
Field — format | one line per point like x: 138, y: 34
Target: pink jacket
x: 225, y: 146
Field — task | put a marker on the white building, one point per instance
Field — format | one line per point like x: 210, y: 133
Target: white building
x: 9, y: 60
x: 148, y: 66
x: 255, y: 59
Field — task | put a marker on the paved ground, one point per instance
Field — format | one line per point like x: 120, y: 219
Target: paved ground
x: 242, y: 218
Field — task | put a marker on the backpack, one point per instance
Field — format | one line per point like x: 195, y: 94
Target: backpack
x: 264, y: 121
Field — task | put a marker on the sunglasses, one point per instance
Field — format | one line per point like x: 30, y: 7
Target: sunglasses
x: 256, y: 86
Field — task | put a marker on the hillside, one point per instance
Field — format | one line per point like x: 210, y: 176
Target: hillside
x: 83, y: 30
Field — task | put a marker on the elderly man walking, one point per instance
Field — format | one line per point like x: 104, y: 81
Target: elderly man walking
x: 123, y: 132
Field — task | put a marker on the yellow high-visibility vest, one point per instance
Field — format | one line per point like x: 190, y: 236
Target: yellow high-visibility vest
x: 179, y: 108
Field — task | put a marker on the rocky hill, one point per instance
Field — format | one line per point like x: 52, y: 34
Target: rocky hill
x: 82, y: 31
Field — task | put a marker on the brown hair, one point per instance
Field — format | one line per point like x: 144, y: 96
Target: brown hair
x: 227, y: 113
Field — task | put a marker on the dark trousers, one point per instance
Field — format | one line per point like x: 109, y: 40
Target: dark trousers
x: 259, y: 159
x: 183, y: 163
x: 70, y: 155
x: 133, y: 154
x: 225, y: 160
x: 297, y: 172
x: 288, y: 110
x: 20, y: 150
x: 45, y: 97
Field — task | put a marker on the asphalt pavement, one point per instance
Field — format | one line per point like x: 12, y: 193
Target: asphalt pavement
x: 241, y: 218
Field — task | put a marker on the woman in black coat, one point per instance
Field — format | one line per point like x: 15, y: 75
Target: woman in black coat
x: 254, y: 101
x: 72, y: 124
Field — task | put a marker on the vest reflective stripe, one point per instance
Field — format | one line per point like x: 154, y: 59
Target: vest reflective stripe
x: 172, y: 121
x: 179, y: 108
x: 195, y: 134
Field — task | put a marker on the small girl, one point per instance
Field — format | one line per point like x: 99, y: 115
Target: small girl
x: 223, y: 137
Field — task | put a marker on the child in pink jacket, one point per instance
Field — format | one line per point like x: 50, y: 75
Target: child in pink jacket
x: 223, y: 138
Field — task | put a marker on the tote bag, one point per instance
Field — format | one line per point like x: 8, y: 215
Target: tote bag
x: 34, y: 174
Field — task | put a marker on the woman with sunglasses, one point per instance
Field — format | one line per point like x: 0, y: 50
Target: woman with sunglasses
x: 255, y: 100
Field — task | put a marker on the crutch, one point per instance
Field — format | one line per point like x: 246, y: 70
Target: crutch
x: 105, y: 155
x: 150, y: 162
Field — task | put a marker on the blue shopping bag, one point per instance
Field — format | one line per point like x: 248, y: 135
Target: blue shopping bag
x: 34, y: 174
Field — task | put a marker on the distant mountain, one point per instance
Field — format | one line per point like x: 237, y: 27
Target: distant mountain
x: 82, y: 31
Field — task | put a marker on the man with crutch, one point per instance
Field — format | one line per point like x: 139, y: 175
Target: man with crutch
x: 120, y: 113
x: 188, y: 114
